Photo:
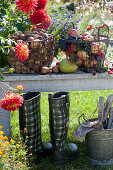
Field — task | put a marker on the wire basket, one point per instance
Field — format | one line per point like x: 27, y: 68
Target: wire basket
x: 86, y: 54
x: 41, y: 54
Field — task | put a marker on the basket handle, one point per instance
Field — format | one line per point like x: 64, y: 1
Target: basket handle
x: 80, y: 118
x: 100, y: 29
x: 70, y: 22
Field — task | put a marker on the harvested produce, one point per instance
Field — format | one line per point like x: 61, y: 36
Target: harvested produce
x: 67, y: 67
x: 41, y: 51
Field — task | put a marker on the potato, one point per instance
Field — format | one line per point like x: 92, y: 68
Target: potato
x: 35, y: 32
x: 28, y: 35
x: 20, y: 33
x: 35, y: 68
x: 36, y: 36
x: 36, y: 43
x: 14, y: 37
x: 45, y: 35
x: 30, y: 61
x: 16, y: 34
x: 30, y: 39
x: 55, y: 69
x: 27, y: 32
x: 45, y: 70
x: 22, y: 37
x: 50, y: 70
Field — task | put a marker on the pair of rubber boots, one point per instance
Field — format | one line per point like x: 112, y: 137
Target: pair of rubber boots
x: 30, y: 126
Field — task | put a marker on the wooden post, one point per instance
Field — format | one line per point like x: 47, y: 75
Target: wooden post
x: 101, y: 108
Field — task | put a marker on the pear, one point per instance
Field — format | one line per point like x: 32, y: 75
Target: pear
x: 67, y: 67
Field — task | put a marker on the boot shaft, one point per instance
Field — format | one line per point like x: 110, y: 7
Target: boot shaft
x: 59, y: 118
x: 30, y: 121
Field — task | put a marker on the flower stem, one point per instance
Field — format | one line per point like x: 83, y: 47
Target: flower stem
x: 2, y: 89
x: 9, y: 86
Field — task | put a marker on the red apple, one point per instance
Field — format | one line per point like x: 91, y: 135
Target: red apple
x: 70, y: 50
x: 94, y: 48
x: 73, y: 47
x: 89, y: 37
x: 86, y: 33
x: 101, y: 54
x: 73, y: 32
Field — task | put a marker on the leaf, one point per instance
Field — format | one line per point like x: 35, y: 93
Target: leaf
x: 1, y: 76
x: 2, y: 40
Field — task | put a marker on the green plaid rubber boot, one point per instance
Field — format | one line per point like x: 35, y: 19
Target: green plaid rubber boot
x: 30, y: 124
x: 59, y: 122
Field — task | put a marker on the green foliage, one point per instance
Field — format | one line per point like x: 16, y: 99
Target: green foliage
x: 80, y: 102
x: 11, y: 21
x: 1, y: 77
x: 62, y: 19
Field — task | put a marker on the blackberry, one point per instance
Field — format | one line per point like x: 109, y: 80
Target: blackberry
x: 89, y: 52
x: 86, y: 70
x: 89, y: 46
x: 63, y: 36
x: 98, y: 58
x: 79, y: 37
x: 85, y: 48
x: 75, y: 58
x: 92, y: 57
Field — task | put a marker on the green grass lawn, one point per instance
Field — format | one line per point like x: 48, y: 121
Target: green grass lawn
x: 80, y: 102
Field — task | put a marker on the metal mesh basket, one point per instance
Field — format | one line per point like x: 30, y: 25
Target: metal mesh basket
x: 41, y: 54
x: 86, y: 54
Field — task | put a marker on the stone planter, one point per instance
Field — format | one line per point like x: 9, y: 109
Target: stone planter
x: 99, y: 145
x: 5, y: 122
x: 5, y: 117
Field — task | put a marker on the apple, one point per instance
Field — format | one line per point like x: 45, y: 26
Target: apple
x: 82, y: 55
x: 73, y: 32
x: 101, y: 54
x: 73, y: 47
x: 94, y: 48
x: 92, y: 63
x: 79, y: 62
x: 55, y: 69
x: 86, y: 63
x: 70, y: 50
x: 86, y: 33
x: 102, y: 46
x: 89, y: 37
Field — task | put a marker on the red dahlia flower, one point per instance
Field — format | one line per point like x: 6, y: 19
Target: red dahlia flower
x: 45, y: 24
x: 38, y: 16
x: 41, y: 4
x: 22, y: 51
x: 11, y: 101
x: 26, y: 5
x: 20, y: 87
